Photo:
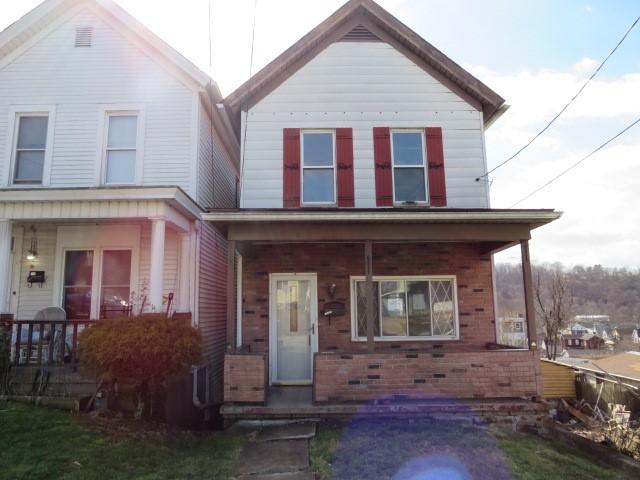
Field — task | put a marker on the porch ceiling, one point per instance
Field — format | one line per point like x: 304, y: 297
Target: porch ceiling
x: 498, y: 228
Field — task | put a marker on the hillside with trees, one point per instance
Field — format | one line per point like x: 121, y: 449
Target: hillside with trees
x: 596, y: 290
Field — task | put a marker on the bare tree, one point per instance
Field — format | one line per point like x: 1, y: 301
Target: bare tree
x: 554, y: 301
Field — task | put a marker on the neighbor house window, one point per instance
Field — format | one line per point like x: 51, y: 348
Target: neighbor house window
x: 31, y: 145
x: 409, y: 166
x: 407, y: 308
x: 121, y: 148
x: 318, y: 167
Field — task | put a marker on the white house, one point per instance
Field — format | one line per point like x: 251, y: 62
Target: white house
x: 111, y: 146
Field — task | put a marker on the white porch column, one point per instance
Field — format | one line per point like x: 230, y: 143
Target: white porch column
x: 156, y: 270
x: 5, y: 264
x: 185, y: 274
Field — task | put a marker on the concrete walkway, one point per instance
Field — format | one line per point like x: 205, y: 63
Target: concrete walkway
x: 278, y: 452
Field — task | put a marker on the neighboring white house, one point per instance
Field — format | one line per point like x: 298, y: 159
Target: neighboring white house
x: 111, y: 146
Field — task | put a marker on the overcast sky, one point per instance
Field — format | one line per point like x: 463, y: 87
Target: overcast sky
x: 535, y: 54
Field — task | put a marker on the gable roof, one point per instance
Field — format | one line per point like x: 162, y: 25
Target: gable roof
x: 49, y: 11
x: 365, y: 19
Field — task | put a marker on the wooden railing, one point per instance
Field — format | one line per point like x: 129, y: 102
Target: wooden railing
x: 47, y: 341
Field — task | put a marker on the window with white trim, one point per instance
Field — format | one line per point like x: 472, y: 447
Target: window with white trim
x: 121, y: 148
x: 407, y: 308
x: 30, y: 148
x: 318, y: 167
x: 409, y: 166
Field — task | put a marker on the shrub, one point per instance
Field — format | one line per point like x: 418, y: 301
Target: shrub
x: 145, y: 350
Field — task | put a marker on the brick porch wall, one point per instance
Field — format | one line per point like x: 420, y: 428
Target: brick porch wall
x: 335, y: 263
x: 421, y: 375
x: 245, y: 378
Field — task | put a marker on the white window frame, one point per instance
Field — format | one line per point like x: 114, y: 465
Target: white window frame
x: 15, y: 113
x: 334, y: 202
x: 107, y: 111
x: 406, y: 338
x: 97, y: 239
x: 425, y: 165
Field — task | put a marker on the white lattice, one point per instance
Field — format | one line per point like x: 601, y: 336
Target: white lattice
x: 442, y: 307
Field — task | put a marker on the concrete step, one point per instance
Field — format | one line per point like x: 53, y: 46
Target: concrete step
x: 283, y: 456
x: 281, y: 476
x: 292, y: 431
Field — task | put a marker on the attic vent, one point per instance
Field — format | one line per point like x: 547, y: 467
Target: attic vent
x: 360, y: 34
x: 84, y: 35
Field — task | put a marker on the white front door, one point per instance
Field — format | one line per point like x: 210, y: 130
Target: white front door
x: 293, y: 332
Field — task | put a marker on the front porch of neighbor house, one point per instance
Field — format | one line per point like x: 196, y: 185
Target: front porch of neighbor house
x: 381, y: 309
x: 72, y: 257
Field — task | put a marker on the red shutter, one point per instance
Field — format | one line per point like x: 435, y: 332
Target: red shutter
x: 291, y: 168
x: 344, y: 148
x: 435, y: 158
x: 382, y: 161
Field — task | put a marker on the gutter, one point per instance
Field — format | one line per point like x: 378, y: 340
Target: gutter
x: 440, y: 216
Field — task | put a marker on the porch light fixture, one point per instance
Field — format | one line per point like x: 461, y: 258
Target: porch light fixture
x: 32, y: 254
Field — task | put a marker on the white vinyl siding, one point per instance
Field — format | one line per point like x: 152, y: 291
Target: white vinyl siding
x: 362, y: 85
x: 78, y: 81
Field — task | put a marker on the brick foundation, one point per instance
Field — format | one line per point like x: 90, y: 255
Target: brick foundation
x: 245, y: 378
x: 421, y: 375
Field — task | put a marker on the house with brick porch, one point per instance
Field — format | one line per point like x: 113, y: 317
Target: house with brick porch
x: 364, y: 241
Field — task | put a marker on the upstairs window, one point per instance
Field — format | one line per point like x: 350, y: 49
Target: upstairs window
x: 30, y: 150
x: 121, y: 149
x: 409, y: 166
x: 318, y: 167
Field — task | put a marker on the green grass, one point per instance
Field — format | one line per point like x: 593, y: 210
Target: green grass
x: 532, y: 458
x: 384, y: 449
x: 38, y: 443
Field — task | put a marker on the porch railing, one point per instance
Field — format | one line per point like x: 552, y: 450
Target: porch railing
x: 36, y: 342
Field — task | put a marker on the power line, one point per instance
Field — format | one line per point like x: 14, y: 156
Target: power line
x: 246, y: 120
x: 552, y: 121
x: 621, y: 132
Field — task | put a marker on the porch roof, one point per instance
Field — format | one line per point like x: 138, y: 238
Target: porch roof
x: 35, y: 204
x: 505, y: 226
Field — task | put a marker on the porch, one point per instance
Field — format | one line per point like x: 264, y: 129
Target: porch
x: 71, y: 257
x: 96, y: 253
x: 384, y: 311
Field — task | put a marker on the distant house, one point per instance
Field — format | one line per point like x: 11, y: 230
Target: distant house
x: 585, y: 341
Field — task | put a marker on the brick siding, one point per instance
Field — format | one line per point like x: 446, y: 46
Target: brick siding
x: 245, y: 378
x: 421, y: 375
x: 335, y: 263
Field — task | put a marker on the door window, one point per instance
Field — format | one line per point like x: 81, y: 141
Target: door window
x: 115, y: 286
x: 78, y: 284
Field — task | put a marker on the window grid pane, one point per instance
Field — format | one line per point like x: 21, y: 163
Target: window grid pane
x: 29, y: 166
x: 120, y: 166
x: 407, y: 148
x: 317, y: 149
x: 122, y: 131
x: 32, y: 133
x: 409, y: 184
x: 318, y: 185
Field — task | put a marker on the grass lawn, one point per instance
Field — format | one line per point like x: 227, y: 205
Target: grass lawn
x: 404, y: 449
x: 38, y: 443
